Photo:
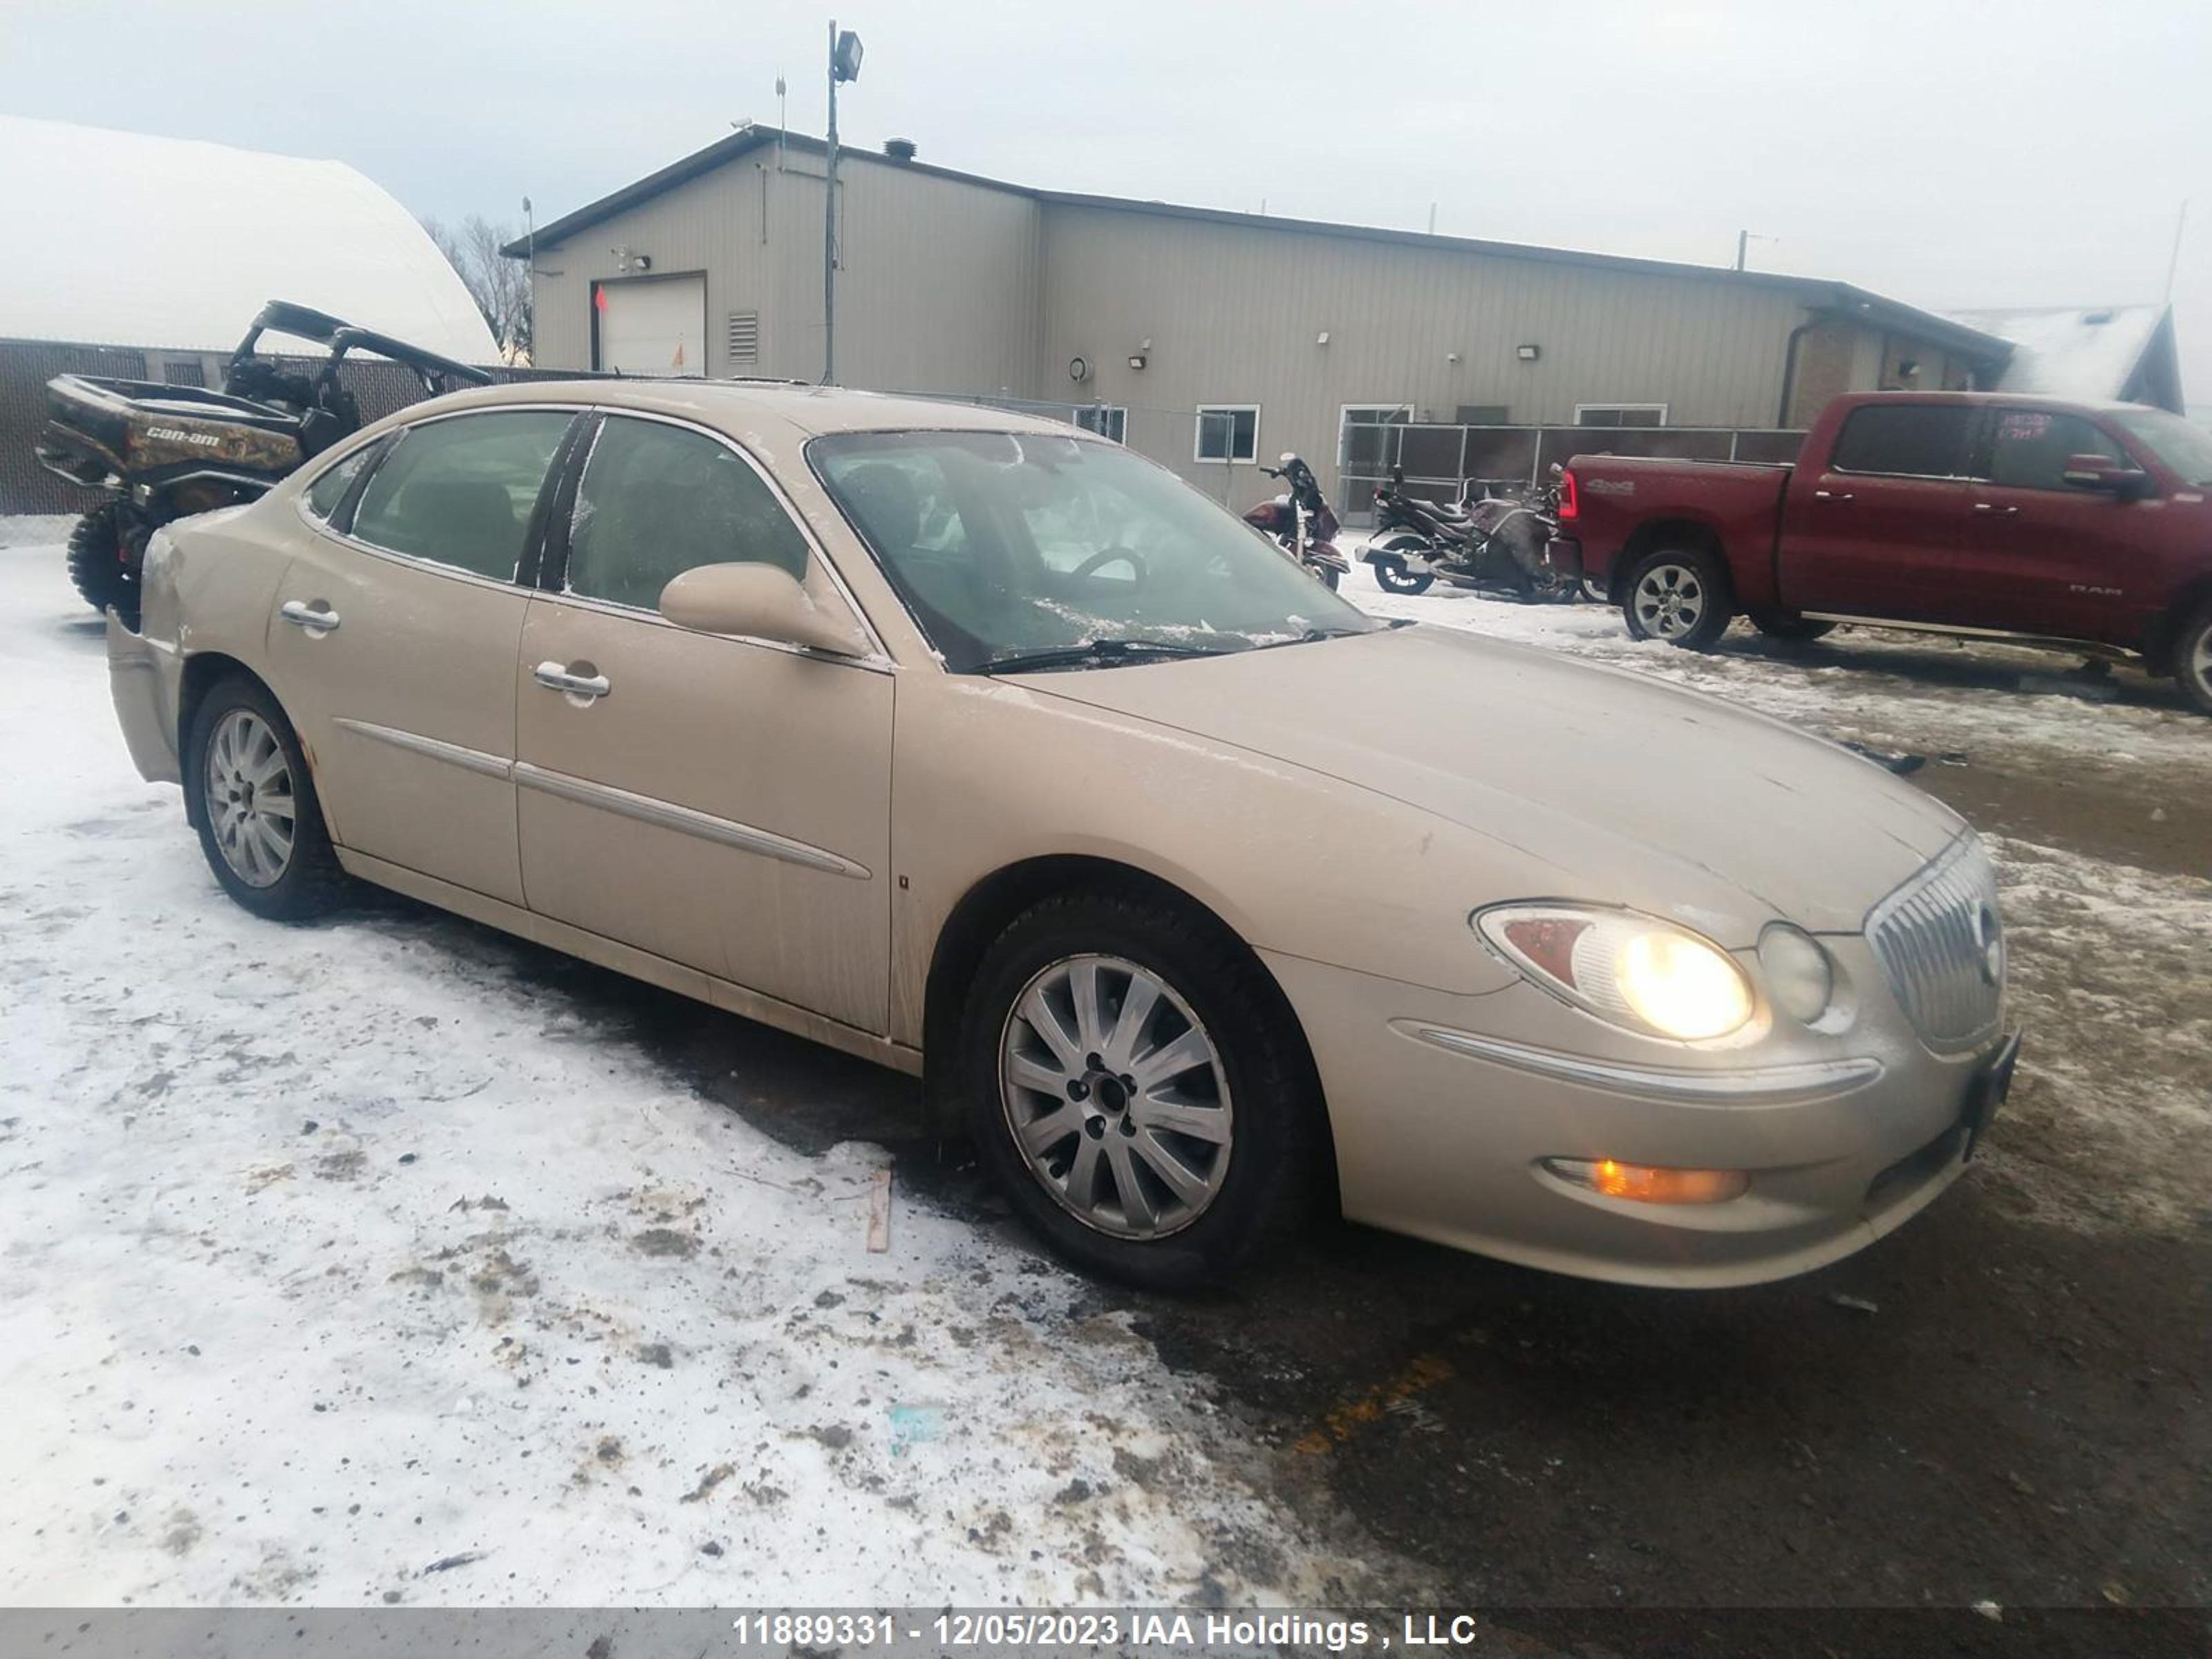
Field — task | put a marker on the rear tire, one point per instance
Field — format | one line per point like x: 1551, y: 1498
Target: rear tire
x: 96, y: 568
x: 1247, y: 1169
x: 1796, y: 630
x: 1392, y: 576
x: 1327, y: 577
x: 2192, y: 659
x: 1679, y: 595
x: 252, y: 800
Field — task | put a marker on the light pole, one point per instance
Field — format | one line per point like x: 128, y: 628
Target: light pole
x: 844, y: 65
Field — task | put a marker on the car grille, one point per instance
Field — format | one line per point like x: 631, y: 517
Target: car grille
x: 1940, y: 943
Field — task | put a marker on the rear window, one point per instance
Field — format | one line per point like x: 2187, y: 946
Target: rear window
x: 1906, y: 440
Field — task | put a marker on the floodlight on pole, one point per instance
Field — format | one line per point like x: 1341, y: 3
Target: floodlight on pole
x: 844, y: 65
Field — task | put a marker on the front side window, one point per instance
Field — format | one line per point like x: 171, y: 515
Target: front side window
x: 656, y: 501
x: 1227, y: 432
x: 1909, y: 441
x: 1005, y: 543
x: 459, y: 491
x: 2029, y: 447
x: 2182, y: 445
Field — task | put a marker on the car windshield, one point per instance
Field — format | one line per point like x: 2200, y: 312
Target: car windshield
x: 2183, y: 445
x: 1007, y: 545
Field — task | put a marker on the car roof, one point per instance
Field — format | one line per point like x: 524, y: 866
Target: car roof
x: 813, y: 410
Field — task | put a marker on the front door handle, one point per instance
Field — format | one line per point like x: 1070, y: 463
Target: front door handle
x: 1831, y: 496
x: 1992, y: 507
x: 317, y: 617
x: 588, y: 687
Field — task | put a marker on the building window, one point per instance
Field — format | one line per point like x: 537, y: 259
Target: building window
x: 1107, y: 420
x: 1227, y: 432
x: 1621, y: 414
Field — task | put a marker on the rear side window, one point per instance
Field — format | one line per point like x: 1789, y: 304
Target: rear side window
x: 327, y: 491
x: 1908, y: 440
x: 2029, y: 447
x: 657, y: 501
x: 459, y: 491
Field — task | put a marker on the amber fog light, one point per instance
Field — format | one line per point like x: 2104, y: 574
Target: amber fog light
x: 1649, y: 1185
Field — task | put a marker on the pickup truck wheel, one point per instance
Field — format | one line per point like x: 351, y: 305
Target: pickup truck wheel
x: 2192, y: 659
x: 1796, y: 629
x: 1392, y: 576
x: 1678, y: 595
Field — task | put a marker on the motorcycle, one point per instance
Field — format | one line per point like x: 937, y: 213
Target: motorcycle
x: 1301, y: 521
x: 1498, y: 546
x: 156, y: 451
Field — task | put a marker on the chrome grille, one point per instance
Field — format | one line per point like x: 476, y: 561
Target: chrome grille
x: 1940, y: 943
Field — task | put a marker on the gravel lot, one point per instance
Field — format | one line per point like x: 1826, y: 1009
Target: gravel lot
x: 394, y: 1260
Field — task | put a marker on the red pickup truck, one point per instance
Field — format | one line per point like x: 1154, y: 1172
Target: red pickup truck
x: 2086, y: 526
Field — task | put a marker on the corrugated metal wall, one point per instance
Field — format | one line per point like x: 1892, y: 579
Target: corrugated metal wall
x: 938, y: 288
x: 953, y: 286
x: 1234, y: 315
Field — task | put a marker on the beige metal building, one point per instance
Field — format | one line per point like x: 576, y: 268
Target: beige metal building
x: 1208, y: 340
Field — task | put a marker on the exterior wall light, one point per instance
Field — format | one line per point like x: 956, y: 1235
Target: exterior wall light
x: 1136, y: 360
x: 1528, y: 354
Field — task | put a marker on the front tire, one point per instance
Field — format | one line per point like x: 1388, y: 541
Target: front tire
x: 1139, y: 1090
x: 253, y: 802
x: 1392, y: 576
x: 2192, y: 659
x: 1679, y: 595
x: 96, y: 566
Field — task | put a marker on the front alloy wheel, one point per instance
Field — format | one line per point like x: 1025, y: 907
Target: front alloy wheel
x: 1138, y: 1089
x: 1116, y: 1097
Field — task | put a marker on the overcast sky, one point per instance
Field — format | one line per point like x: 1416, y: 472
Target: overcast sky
x: 2024, y: 153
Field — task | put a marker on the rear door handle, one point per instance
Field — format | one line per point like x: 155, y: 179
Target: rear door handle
x: 556, y: 676
x: 317, y: 617
x: 1992, y: 507
x: 1831, y: 496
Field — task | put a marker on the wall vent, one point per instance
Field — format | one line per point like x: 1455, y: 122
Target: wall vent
x: 744, y: 340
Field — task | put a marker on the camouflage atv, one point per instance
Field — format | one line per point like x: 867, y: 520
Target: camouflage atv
x: 158, y: 452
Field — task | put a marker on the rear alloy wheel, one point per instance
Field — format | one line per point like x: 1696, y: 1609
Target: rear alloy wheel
x: 2193, y: 660
x: 1138, y: 1089
x: 260, y: 825
x: 1678, y: 596
x: 1392, y: 576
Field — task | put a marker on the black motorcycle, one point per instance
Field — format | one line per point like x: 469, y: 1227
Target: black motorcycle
x: 1497, y: 545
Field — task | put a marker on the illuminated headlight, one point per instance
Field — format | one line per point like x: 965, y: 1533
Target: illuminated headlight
x: 1637, y: 972
x: 1799, y: 977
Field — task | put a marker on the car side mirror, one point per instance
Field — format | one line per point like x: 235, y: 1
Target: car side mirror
x: 760, y: 602
x: 2102, y: 472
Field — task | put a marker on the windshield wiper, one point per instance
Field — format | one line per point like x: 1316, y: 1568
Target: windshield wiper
x: 1097, y: 653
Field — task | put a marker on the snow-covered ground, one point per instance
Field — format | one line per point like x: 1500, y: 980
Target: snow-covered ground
x: 336, y: 1267
x: 341, y: 1264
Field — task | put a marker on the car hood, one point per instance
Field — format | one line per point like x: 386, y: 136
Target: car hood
x: 1632, y: 791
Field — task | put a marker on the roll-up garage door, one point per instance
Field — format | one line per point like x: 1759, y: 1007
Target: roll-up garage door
x: 653, y: 326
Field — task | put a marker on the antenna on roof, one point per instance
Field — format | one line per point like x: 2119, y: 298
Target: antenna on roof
x: 2173, y: 263
x: 782, y: 120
